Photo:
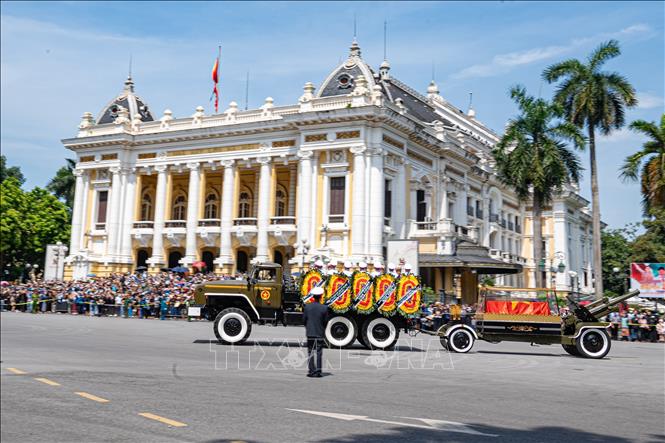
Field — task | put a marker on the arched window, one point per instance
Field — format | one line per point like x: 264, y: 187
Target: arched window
x: 179, y: 211
x: 211, y: 208
x: 280, y: 202
x: 146, y: 207
x: 245, y: 205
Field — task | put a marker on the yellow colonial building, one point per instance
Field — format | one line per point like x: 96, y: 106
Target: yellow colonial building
x: 357, y: 162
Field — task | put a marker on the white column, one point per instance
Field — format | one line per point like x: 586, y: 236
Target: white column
x: 80, y: 194
x: 358, y: 203
x: 263, y: 219
x: 225, y: 252
x: 292, y: 191
x: 113, y: 228
x: 304, y: 219
x: 399, y: 198
x: 129, y: 184
x: 192, y: 213
x: 314, y: 205
x: 376, y: 205
x: 160, y: 208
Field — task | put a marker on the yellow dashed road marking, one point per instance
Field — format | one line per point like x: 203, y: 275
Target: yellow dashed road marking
x: 167, y: 421
x: 16, y: 371
x: 92, y: 397
x: 47, y: 381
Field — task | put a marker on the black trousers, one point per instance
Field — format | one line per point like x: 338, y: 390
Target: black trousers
x: 314, y: 345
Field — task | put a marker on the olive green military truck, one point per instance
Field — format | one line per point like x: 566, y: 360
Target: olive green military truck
x: 270, y: 297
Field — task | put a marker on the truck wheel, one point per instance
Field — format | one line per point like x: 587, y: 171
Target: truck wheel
x: 571, y: 349
x: 593, y: 343
x: 460, y: 340
x: 232, y: 326
x: 341, y: 332
x: 379, y: 333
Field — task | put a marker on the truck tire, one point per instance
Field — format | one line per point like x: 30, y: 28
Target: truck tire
x: 571, y: 349
x: 341, y: 332
x: 232, y: 326
x: 379, y: 333
x: 460, y: 341
x: 593, y: 343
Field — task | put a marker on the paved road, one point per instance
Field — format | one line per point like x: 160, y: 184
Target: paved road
x: 67, y: 378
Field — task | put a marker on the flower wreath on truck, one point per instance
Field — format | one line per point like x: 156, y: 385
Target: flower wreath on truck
x: 311, y: 279
x: 338, y: 293
x: 385, y: 294
x: 362, y: 288
x: 409, y: 295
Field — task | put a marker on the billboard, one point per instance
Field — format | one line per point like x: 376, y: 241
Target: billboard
x: 404, y: 251
x: 649, y: 278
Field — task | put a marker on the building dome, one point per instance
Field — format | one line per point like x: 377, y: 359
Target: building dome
x: 128, y: 100
x: 341, y: 80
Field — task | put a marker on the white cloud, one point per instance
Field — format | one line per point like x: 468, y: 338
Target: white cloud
x: 647, y: 100
x: 503, y: 63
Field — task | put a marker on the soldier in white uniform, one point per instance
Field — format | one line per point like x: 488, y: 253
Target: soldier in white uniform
x: 362, y: 266
x: 392, y: 271
x: 408, y: 270
x: 347, y: 268
x: 378, y: 269
x: 318, y: 265
x: 332, y: 268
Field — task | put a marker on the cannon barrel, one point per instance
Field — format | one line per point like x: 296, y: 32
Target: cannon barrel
x: 602, y: 307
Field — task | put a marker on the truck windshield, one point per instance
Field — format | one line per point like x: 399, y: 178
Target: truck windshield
x: 265, y: 274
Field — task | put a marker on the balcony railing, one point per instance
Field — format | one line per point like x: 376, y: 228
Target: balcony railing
x: 461, y: 230
x: 175, y: 224
x: 426, y: 226
x: 336, y: 218
x: 469, y: 211
x: 479, y: 214
x: 494, y: 218
x: 283, y: 221
x: 100, y: 226
x: 245, y: 221
x: 518, y: 229
x: 503, y: 223
x: 210, y: 222
x: 144, y: 224
x: 511, y: 226
x: 386, y: 221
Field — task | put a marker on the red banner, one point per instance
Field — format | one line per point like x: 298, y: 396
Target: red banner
x: 517, y: 307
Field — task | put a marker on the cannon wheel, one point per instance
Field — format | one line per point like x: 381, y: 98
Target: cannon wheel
x: 593, y: 343
x: 460, y: 340
x: 571, y: 349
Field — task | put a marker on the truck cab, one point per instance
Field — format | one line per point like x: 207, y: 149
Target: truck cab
x: 266, y: 296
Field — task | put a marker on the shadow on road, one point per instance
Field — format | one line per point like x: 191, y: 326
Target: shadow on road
x: 301, y: 344
x: 539, y: 434
x: 530, y: 354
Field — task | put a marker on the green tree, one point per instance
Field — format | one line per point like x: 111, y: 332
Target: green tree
x: 13, y: 171
x: 649, y: 164
x: 596, y: 100
x: 28, y: 222
x: 533, y: 158
x: 617, y: 246
x: 650, y: 246
x: 64, y: 182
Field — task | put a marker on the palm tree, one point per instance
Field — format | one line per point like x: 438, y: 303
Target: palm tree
x: 533, y: 158
x: 64, y: 182
x: 595, y: 100
x: 651, y: 158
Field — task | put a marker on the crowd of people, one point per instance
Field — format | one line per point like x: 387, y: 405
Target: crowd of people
x: 168, y: 294
x: 140, y: 295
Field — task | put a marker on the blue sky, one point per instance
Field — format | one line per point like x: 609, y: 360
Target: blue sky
x: 62, y: 59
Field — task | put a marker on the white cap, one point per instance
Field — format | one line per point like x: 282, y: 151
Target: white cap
x: 318, y: 264
x: 318, y: 290
x: 331, y: 264
x: 362, y: 265
x: 348, y: 264
x: 407, y: 266
x: 391, y: 266
x: 378, y: 265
